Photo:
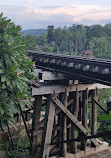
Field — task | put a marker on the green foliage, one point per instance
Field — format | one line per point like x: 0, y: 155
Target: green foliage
x: 30, y: 42
x: 78, y: 38
x: 107, y: 29
x: 104, y: 96
x: 34, y: 32
x: 20, y: 143
x: 42, y: 39
x: 96, y: 31
x: 50, y: 36
x: 15, y: 70
x: 47, y: 49
x: 63, y: 46
x: 58, y: 35
x: 100, y: 44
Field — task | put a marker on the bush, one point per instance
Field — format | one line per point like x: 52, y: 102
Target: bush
x: 15, y: 71
x: 21, y: 143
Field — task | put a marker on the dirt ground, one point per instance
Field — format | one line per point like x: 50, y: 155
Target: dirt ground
x: 102, y: 154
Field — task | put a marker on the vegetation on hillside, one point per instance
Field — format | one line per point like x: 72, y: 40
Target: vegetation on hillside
x: 34, y: 32
x: 78, y: 38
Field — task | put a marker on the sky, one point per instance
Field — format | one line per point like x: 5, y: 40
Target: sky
x: 37, y: 14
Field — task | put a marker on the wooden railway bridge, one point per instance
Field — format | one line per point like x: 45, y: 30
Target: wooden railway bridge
x: 65, y: 87
x: 67, y: 84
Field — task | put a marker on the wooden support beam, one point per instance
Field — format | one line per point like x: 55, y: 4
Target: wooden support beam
x: 84, y: 113
x: 75, y: 110
x: 48, y: 128
x: 70, y: 124
x: 80, y: 107
x: 85, y: 108
x: 106, y: 134
x: 69, y: 103
x: 35, y: 120
x: 40, y: 124
x: 72, y: 118
x: 94, y: 112
x: 65, y: 127
x: 61, y: 122
x: 49, y: 89
x: 100, y: 106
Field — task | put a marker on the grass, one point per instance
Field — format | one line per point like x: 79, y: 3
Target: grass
x: 20, y: 143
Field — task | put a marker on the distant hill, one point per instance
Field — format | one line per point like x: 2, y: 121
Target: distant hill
x: 35, y: 32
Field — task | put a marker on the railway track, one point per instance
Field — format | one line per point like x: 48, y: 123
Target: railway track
x: 82, y: 68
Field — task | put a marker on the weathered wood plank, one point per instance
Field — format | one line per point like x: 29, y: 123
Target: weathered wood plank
x: 72, y: 118
x: 48, y: 127
x: 35, y: 120
x: 49, y: 89
x: 85, y: 108
x: 84, y: 113
x: 69, y: 103
x: 65, y: 126
x: 94, y: 112
x: 61, y: 123
x: 76, y: 110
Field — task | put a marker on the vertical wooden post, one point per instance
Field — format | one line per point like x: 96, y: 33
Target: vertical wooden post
x: 36, y: 117
x: 94, y: 112
x: 85, y: 108
x: 61, y: 119
x: 72, y: 125
x: 75, y: 112
x: 48, y: 127
x: 84, y: 113
x: 65, y: 127
x: 71, y: 108
x: 80, y: 107
x: 80, y: 111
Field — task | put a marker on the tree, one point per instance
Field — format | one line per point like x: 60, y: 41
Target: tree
x: 47, y: 49
x: 79, y: 37
x: 30, y: 42
x: 15, y: 70
x: 42, y: 39
x: 99, y: 45
x: 58, y: 35
x: 50, y: 36
x: 107, y: 29
x: 63, y: 46
x: 96, y: 31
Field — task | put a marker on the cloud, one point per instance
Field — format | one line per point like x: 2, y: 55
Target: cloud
x: 32, y: 16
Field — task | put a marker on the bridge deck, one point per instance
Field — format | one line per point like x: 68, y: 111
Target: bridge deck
x: 85, y: 69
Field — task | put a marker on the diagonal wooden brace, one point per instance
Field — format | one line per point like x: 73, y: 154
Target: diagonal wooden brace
x: 73, y: 118
x: 69, y: 103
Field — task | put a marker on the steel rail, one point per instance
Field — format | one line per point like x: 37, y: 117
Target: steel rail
x: 64, y: 56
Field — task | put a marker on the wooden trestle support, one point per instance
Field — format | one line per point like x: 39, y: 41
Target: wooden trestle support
x: 66, y: 119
